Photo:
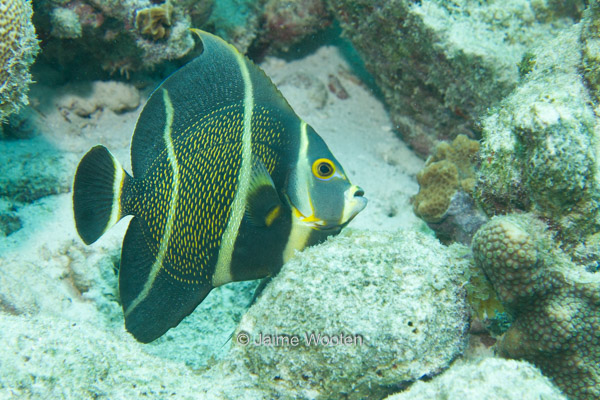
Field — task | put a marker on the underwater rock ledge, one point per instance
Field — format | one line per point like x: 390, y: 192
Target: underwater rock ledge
x: 441, y: 64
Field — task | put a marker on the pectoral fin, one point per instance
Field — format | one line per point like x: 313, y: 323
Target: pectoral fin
x: 263, y: 205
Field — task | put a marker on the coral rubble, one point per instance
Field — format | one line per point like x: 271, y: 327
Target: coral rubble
x: 440, y: 66
x: 45, y: 357
x: 18, y: 48
x: 115, y: 96
x: 398, y: 293
x: 556, y: 304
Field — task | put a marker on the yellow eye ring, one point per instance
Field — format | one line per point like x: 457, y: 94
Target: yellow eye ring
x: 323, y: 168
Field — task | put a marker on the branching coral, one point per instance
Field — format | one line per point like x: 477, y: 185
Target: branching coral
x: 556, y: 304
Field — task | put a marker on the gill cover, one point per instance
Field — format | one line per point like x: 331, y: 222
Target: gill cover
x: 320, y: 194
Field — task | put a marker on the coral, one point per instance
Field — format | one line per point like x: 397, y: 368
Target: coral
x: 118, y: 36
x: 446, y: 184
x: 154, y: 21
x: 399, y: 292
x: 437, y: 184
x: 490, y: 378
x: 288, y: 21
x: 590, y: 37
x: 441, y: 67
x: 65, y: 23
x: 18, y: 48
x: 538, y: 152
x: 237, y: 21
x: 556, y: 304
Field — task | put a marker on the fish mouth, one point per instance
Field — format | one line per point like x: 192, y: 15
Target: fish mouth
x: 355, y: 202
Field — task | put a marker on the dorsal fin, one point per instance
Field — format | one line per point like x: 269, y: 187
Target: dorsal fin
x: 205, y: 85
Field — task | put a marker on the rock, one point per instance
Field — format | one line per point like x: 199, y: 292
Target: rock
x: 489, y: 379
x: 539, y: 151
x: 441, y: 64
x: 387, y: 307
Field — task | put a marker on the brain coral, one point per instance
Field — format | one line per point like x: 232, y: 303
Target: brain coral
x: 18, y: 48
x: 556, y: 304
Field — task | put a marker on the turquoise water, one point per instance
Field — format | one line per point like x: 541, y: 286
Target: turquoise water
x: 470, y: 273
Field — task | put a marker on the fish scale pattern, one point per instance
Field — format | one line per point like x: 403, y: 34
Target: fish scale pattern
x: 269, y: 139
x: 208, y: 165
x: 208, y: 154
x: 556, y: 303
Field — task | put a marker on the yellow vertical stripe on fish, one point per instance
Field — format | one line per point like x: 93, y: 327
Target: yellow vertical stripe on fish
x: 222, y: 272
x: 164, y: 243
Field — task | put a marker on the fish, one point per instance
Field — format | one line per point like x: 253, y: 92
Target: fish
x: 226, y: 184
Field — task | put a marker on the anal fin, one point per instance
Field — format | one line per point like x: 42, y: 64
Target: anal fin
x: 152, y: 301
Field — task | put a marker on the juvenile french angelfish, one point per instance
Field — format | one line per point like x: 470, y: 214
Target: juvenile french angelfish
x: 227, y: 183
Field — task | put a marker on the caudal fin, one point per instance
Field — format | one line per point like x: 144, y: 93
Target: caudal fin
x: 99, y: 184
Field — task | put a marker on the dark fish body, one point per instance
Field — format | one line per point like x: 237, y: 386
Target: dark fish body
x: 227, y: 183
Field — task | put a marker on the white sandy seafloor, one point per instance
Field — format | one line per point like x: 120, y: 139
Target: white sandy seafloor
x: 58, y: 287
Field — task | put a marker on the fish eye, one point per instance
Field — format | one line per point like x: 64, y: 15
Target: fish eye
x: 323, y: 168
